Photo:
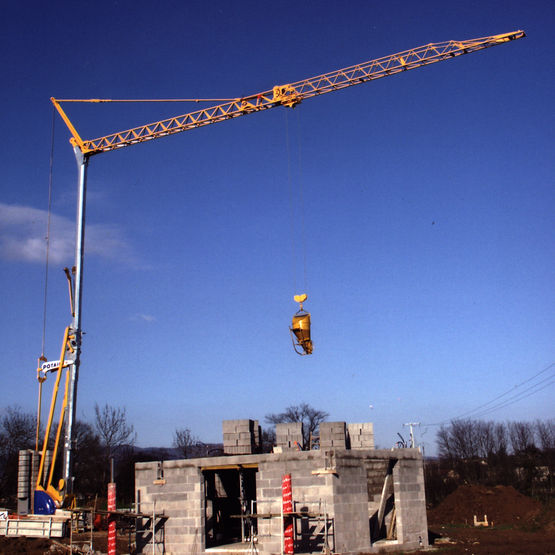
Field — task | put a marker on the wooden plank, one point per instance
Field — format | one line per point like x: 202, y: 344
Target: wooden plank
x: 298, y: 514
x: 119, y: 514
x: 392, y: 524
x: 383, y: 499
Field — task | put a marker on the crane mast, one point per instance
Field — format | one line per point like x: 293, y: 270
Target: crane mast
x: 288, y: 95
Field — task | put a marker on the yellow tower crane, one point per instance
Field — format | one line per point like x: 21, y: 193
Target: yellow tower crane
x: 288, y: 95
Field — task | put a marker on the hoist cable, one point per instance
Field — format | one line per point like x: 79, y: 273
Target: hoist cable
x: 301, y: 200
x: 296, y: 206
x: 46, y: 264
x: 291, y: 202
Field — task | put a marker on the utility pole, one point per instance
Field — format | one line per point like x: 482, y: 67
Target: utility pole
x: 410, y: 425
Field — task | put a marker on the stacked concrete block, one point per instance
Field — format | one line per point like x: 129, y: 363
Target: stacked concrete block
x: 333, y: 435
x: 241, y: 437
x: 28, y: 471
x: 257, y: 437
x: 360, y: 435
x: 24, y: 482
x: 410, y: 501
x: 289, y: 435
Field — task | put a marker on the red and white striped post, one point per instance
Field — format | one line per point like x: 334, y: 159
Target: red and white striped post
x: 111, y: 519
x: 287, y: 500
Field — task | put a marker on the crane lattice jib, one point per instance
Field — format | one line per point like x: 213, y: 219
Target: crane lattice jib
x: 285, y: 95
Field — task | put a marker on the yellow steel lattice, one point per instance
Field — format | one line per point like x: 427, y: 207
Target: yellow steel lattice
x: 283, y: 95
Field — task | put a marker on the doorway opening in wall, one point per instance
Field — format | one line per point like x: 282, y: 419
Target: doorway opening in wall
x: 230, y: 497
x: 381, y: 500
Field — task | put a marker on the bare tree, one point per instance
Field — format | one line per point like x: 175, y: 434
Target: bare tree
x: 478, y: 452
x: 467, y: 439
x: 309, y: 416
x: 545, y: 432
x: 521, y: 435
x: 185, y: 442
x: 443, y: 438
x: 268, y: 439
x: 113, y: 429
x: 459, y: 440
x: 485, y: 438
x: 500, y: 434
x: 17, y: 431
x: 86, y: 454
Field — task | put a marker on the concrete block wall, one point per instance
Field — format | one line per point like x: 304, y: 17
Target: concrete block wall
x: 311, y: 492
x: 175, y: 489
x: 241, y: 437
x: 289, y: 435
x: 376, y: 470
x: 333, y: 435
x: 350, y: 504
x: 410, y: 501
x: 360, y: 435
x: 338, y: 481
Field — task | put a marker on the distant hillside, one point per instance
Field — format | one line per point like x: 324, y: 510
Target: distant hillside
x: 144, y: 454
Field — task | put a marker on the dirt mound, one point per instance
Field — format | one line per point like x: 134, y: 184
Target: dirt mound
x: 501, y: 504
x: 14, y: 545
x: 32, y: 546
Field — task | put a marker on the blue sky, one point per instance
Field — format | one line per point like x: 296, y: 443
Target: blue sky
x: 427, y: 209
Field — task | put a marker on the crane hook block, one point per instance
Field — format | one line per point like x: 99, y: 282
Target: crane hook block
x: 300, y: 329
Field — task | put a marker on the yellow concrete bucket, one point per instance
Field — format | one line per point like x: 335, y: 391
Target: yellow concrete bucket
x: 300, y: 329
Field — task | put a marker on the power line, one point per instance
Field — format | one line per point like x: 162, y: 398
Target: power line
x: 519, y: 396
x: 481, y: 410
x: 505, y: 393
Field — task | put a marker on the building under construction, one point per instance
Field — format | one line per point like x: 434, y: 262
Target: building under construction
x: 345, y: 497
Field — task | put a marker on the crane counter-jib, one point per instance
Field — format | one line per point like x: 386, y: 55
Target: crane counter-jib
x: 288, y: 95
x: 281, y: 95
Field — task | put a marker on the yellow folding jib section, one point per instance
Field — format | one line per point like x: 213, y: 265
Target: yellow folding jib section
x: 282, y: 95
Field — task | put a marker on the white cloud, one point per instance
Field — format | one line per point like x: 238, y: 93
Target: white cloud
x: 144, y: 317
x: 23, y: 237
